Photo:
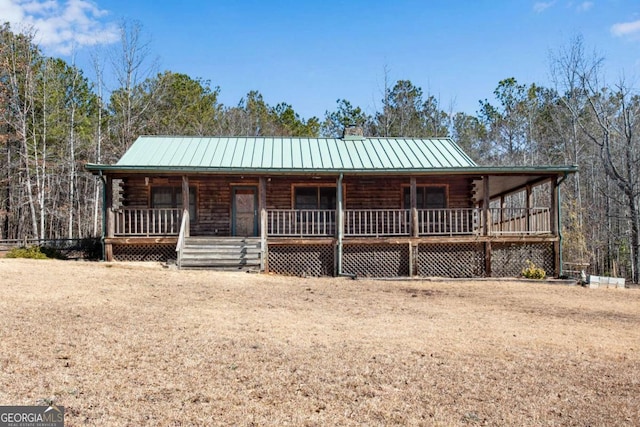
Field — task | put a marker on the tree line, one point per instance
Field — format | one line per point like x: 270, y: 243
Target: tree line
x: 54, y: 120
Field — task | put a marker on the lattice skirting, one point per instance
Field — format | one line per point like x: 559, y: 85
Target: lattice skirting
x: 451, y: 260
x: 302, y: 260
x: 381, y: 260
x: 384, y: 260
x: 152, y: 252
x: 508, y: 259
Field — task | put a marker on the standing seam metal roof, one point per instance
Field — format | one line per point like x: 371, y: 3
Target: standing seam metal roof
x: 290, y: 153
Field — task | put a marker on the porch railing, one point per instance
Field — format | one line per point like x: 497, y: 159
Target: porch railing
x: 397, y: 222
x: 184, y: 225
x: 147, y: 222
x: 366, y: 222
x: 449, y: 221
x: 301, y: 222
x: 519, y: 221
x: 377, y: 222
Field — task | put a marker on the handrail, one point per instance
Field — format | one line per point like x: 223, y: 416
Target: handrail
x: 181, y: 236
x: 528, y: 221
x: 301, y: 222
x: 398, y: 222
x: 146, y: 221
x: 449, y: 222
x: 377, y: 222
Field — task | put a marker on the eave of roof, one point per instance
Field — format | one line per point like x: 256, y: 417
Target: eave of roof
x: 471, y: 170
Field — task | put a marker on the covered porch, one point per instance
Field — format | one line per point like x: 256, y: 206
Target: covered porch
x: 480, y: 211
x: 351, y: 206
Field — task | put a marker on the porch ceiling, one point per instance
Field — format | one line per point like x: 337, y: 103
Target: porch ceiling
x: 506, y: 183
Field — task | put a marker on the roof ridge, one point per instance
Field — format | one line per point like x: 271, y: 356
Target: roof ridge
x: 293, y: 137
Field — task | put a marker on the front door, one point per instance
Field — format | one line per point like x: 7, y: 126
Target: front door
x: 245, y: 211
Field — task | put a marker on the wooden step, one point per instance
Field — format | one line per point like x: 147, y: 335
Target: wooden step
x: 227, y: 253
x: 242, y: 252
x: 220, y: 262
x: 206, y: 240
x: 219, y: 255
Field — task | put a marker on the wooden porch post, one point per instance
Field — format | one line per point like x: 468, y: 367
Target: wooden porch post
x: 415, y: 227
x: 108, y: 201
x: 553, y: 209
x: 486, y: 199
x: 529, y: 202
x: 555, y: 226
x: 110, y: 218
x: 185, y: 202
x: 339, y: 225
x: 262, y: 205
x: 503, y: 207
x: 485, y: 205
x: 414, y: 209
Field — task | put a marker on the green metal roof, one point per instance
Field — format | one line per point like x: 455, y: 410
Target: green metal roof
x: 288, y: 153
x: 169, y: 154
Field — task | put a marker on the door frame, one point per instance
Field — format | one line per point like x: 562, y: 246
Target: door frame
x: 234, y: 190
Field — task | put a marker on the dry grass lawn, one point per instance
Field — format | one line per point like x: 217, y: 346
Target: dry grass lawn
x: 133, y: 345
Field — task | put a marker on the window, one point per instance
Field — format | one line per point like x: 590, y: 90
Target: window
x: 427, y: 197
x: 171, y: 198
x: 314, y: 198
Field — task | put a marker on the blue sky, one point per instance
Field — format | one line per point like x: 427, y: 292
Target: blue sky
x: 311, y: 53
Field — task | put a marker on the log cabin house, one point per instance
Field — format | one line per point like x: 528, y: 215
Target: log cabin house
x: 375, y: 207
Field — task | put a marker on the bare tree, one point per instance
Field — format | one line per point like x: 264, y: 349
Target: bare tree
x: 72, y: 150
x: 603, y: 120
x: 570, y: 67
x: 617, y: 115
x: 98, y: 67
x: 20, y: 55
x: 132, y: 66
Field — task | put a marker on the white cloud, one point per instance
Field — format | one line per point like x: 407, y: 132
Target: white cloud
x: 60, y: 26
x: 10, y: 11
x: 34, y: 7
x: 623, y: 29
x: 541, y: 6
x: 585, y: 6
